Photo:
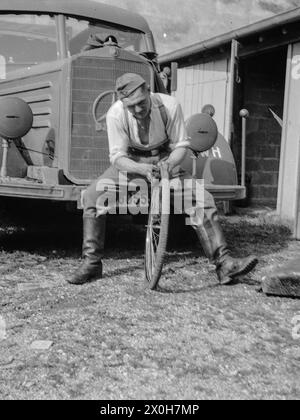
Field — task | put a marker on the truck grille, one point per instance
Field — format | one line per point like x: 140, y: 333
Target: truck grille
x: 91, y: 76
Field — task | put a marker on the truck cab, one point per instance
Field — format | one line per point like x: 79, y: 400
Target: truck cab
x: 63, y: 58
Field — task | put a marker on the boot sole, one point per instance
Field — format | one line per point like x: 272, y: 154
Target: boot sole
x: 242, y: 272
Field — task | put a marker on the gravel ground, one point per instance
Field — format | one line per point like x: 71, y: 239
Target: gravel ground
x: 112, y: 339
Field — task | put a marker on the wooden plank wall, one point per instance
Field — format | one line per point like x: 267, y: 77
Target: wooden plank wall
x: 202, y: 84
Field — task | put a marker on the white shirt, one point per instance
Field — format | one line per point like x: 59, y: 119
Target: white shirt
x: 117, y: 126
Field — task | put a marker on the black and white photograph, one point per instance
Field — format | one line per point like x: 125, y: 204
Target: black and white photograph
x: 149, y: 203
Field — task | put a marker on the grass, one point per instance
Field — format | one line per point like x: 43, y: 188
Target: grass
x: 112, y: 339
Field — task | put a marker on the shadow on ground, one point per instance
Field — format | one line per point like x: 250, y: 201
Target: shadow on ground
x: 44, y: 230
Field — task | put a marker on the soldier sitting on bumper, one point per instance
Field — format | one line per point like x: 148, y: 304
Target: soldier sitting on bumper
x: 138, y: 122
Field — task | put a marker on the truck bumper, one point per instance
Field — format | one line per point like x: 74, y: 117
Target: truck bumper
x: 27, y: 189
x: 227, y: 192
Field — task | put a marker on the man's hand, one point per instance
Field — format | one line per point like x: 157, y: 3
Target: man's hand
x: 165, y: 164
x: 149, y: 171
x: 175, y: 159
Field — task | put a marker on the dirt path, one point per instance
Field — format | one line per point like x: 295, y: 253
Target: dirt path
x: 113, y: 340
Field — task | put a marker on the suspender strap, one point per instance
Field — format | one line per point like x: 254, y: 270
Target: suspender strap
x: 164, y: 117
x: 163, y: 114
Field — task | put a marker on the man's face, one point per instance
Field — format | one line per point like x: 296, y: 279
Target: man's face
x: 139, y: 103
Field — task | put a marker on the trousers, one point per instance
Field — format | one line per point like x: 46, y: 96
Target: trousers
x: 188, y: 196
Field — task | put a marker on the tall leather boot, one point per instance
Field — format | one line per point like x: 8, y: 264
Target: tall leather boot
x: 92, y: 250
x: 215, y: 247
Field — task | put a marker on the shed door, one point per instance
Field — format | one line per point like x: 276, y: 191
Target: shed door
x: 210, y: 82
x: 289, y: 178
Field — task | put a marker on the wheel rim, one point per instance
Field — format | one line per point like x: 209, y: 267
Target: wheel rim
x: 157, y: 233
x: 153, y: 236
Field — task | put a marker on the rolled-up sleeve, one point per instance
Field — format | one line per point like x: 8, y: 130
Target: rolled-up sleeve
x: 117, y: 138
x: 176, y: 128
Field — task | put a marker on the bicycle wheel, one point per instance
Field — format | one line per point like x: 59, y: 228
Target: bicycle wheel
x: 157, y: 230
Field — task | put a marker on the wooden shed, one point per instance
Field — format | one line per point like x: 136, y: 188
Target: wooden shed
x: 256, y: 67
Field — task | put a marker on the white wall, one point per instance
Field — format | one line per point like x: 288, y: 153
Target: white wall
x: 288, y: 205
x: 203, y: 84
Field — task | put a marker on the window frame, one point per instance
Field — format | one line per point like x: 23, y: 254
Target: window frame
x: 60, y: 43
x: 99, y: 21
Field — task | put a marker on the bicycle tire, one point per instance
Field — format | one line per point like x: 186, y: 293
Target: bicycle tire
x: 157, y: 232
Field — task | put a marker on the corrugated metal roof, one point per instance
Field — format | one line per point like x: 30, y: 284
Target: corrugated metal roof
x: 238, y: 34
x: 87, y: 8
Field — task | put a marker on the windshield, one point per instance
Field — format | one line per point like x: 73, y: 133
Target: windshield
x: 25, y: 41
x: 79, y: 32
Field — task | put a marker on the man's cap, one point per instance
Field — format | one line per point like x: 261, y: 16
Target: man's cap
x: 127, y: 84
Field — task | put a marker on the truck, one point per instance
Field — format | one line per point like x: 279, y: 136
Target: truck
x: 62, y: 59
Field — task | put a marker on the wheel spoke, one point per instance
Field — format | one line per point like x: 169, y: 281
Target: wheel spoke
x: 155, y: 239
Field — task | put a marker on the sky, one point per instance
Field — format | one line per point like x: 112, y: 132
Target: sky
x: 179, y: 23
